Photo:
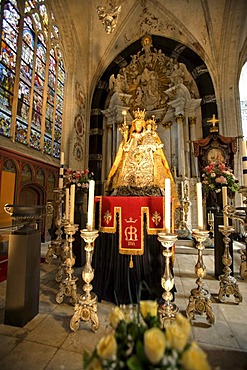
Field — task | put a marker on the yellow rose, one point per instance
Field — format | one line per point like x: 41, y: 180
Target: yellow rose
x: 184, y: 324
x: 107, y: 347
x: 148, y: 307
x: 116, y: 316
x: 195, y: 358
x: 94, y: 365
x: 176, y: 337
x: 154, y: 345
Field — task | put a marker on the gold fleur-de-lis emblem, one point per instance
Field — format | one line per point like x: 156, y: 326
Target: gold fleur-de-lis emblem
x: 107, y: 217
x: 156, y: 218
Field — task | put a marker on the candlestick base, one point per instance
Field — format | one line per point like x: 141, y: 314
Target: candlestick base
x: 86, y: 307
x: 228, y: 284
x: 200, y: 298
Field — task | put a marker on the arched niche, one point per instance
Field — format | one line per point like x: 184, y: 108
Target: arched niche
x: 26, y: 174
x: 172, y: 49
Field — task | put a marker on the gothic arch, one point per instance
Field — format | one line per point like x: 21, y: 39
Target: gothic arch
x: 171, y: 48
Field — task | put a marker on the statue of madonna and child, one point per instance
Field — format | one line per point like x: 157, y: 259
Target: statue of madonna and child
x: 140, y: 167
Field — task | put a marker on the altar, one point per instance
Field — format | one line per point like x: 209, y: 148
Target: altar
x: 128, y: 258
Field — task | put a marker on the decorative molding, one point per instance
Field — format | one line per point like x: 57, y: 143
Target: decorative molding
x: 96, y: 157
x: 79, y: 125
x: 178, y: 50
x: 96, y: 131
x: 151, y: 80
x: 207, y: 99
x: 120, y: 61
x: 199, y: 70
x: 102, y: 85
x: 96, y: 112
x: 78, y: 151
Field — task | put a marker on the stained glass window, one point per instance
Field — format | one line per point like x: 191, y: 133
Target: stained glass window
x: 10, y: 29
x: 36, y: 72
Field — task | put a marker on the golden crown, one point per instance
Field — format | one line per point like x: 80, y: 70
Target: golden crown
x: 140, y: 114
x: 152, y: 122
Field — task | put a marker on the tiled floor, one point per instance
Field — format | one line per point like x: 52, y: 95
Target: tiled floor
x: 47, y: 342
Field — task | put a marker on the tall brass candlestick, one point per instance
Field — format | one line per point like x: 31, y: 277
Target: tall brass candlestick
x: 228, y: 283
x: 167, y: 310
x: 68, y: 286
x: 200, y: 298
x: 243, y: 264
x: 86, y: 308
x: 240, y: 214
x: 54, y: 245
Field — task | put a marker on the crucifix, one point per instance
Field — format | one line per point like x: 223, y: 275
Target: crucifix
x: 213, y: 121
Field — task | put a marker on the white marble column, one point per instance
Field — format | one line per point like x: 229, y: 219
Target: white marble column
x: 181, y: 149
x: 194, y: 160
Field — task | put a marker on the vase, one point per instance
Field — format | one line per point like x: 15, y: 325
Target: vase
x: 79, y: 197
x: 215, y: 200
x: 230, y: 194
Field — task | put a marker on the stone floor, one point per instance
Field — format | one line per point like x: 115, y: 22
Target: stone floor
x: 47, y: 342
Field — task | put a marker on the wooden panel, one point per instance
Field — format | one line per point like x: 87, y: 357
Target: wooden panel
x: 7, y: 196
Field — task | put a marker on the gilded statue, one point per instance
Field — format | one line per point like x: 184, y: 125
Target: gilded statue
x: 140, y: 167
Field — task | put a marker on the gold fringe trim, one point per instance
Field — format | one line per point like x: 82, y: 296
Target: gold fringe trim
x: 131, y: 264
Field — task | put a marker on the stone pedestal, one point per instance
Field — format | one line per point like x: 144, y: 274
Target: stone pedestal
x: 23, y: 279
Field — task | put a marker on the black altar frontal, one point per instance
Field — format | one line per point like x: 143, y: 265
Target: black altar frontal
x: 116, y: 282
x: 114, y: 279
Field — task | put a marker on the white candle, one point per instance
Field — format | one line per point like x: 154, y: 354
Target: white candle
x: 60, y: 180
x: 199, y: 206
x: 210, y: 216
x: 244, y: 161
x: 244, y: 148
x: 61, y: 158
x: 224, y: 201
x: 67, y: 204
x: 90, y: 210
x: 182, y: 189
x: 72, y: 204
x: 168, y: 205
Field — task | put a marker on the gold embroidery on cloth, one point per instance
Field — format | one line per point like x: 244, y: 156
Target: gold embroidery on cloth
x: 156, y: 218
x: 107, y: 217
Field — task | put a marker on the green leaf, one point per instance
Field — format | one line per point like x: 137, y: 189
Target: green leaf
x: 134, y: 363
x: 140, y: 351
x: 86, y: 359
x: 133, y: 330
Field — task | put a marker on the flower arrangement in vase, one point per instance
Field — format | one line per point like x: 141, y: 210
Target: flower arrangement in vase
x: 217, y: 174
x: 136, y: 341
x: 78, y: 177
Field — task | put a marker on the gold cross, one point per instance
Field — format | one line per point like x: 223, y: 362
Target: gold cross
x: 213, y: 120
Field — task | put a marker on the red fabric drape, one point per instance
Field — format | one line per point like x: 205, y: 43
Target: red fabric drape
x: 131, y: 211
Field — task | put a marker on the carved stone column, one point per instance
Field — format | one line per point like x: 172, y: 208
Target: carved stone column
x: 194, y: 160
x: 181, y: 151
x: 108, y: 149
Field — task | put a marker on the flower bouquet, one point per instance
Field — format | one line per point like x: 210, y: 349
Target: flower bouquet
x: 217, y: 174
x: 136, y: 342
x: 79, y: 178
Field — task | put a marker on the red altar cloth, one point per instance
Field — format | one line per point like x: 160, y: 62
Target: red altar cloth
x: 131, y: 212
